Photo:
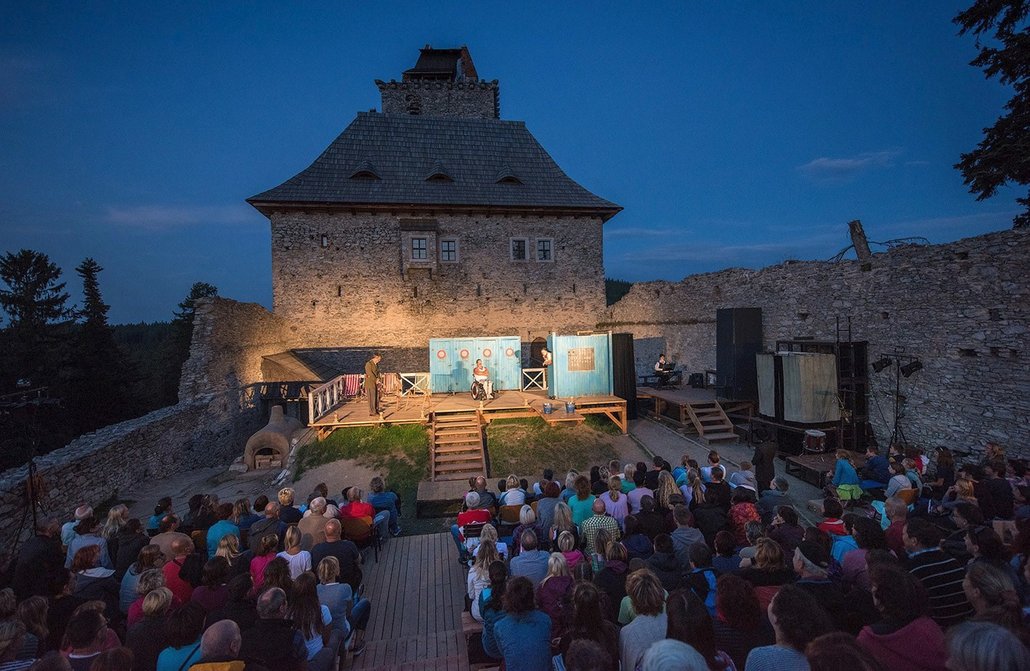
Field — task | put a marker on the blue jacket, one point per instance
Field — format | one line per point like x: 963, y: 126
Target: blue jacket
x: 877, y: 468
x: 524, y: 641
x: 844, y: 474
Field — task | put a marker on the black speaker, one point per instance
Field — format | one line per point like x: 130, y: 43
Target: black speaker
x: 738, y: 338
x: 624, y: 374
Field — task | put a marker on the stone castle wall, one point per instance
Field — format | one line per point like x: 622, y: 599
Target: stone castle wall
x: 962, y: 308
x: 474, y: 98
x: 203, y: 431
x: 358, y: 286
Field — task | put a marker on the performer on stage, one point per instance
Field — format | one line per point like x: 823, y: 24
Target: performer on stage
x: 545, y: 356
x: 372, y: 383
x: 482, y: 374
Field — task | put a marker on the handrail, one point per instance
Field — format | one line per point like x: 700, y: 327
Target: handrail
x: 415, y: 384
x: 534, y: 378
x: 324, y: 398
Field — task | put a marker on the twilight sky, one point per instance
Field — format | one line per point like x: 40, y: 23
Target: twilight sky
x: 732, y: 136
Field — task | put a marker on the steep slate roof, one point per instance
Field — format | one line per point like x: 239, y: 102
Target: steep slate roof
x: 404, y: 150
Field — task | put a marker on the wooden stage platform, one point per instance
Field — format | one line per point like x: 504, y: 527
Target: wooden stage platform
x: 695, y: 409
x: 509, y: 403
x: 417, y: 593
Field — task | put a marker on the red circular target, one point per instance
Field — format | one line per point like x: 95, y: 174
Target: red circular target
x: 509, y: 352
x: 464, y: 354
x: 440, y: 354
x: 488, y: 353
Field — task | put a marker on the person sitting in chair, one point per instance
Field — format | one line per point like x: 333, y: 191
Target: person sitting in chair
x: 481, y: 374
x: 663, y: 370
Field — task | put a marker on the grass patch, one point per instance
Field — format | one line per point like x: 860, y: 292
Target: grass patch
x: 527, y: 446
x: 400, y: 452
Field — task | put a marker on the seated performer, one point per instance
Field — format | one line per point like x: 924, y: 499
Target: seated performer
x: 663, y: 370
x: 482, y: 374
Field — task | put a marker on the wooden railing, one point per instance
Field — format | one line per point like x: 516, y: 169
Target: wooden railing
x: 415, y: 384
x: 323, y: 399
x: 534, y: 378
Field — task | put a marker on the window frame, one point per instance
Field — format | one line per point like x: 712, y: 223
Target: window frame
x: 525, y: 249
x: 442, y: 243
x: 424, y: 249
x: 550, y: 249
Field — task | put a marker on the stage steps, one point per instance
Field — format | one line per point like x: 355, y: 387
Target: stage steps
x: 456, y: 446
x: 710, y: 422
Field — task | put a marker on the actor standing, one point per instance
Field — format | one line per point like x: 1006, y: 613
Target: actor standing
x: 372, y: 383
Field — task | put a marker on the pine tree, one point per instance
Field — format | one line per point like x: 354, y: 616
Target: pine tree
x: 35, y: 302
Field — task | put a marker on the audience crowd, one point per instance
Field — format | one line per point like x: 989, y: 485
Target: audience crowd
x: 654, y: 567
x: 223, y: 586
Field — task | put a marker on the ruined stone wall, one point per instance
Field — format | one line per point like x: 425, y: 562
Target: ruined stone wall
x: 475, y: 98
x: 962, y: 308
x: 204, y: 431
x: 360, y: 287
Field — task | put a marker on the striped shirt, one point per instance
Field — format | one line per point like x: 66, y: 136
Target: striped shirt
x: 588, y: 529
x: 942, y: 577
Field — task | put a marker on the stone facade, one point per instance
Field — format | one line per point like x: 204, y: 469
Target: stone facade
x: 962, y: 308
x: 349, y: 279
x: 203, y: 431
x: 477, y: 99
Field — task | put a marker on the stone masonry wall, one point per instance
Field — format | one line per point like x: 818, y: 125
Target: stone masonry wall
x: 360, y: 287
x: 962, y: 308
x: 477, y: 99
x: 203, y: 431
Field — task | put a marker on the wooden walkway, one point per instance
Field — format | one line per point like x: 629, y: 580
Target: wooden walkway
x: 417, y: 592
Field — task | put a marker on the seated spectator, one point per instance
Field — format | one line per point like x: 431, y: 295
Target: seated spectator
x: 264, y: 555
x: 691, y: 622
x: 811, y: 564
x: 163, y: 507
x: 628, y: 477
x: 111, y: 640
x: 242, y: 515
x: 797, y: 619
x: 649, y: 625
x: 68, y: 529
x: 599, y: 479
x: 768, y: 572
x: 298, y: 559
x: 685, y: 535
x: 204, y: 515
x: 125, y: 546
x: 357, y: 508
x: 62, y: 605
x: 744, y: 477
x: 845, y: 484
x: 726, y: 558
x: 489, y: 533
x: 220, y: 649
x: 487, y: 499
x: 755, y: 531
x: 181, y: 588
x: 855, y: 567
x: 963, y: 517
x: 940, y: 574
x: 899, y: 480
x: 150, y: 557
x: 350, y: 613
x: 220, y: 528
x: 312, y: 527
x: 87, y: 533
x: 562, y: 523
x: 712, y: 516
x: 638, y: 492
x: 523, y: 635
x: 986, y: 547
x: 773, y: 498
x: 877, y: 470
x: 491, y: 607
x: 651, y: 521
x: 12, y: 637
x: 895, y: 512
x: 832, y: 523
x: 475, y: 513
x: 38, y: 561
x: 611, y: 579
x: 478, y: 577
x: 531, y: 562
x: 384, y: 500
x: 527, y: 522
x: 665, y: 492
x: 269, y: 525
x: 569, y: 490
x: 713, y: 465
x: 546, y: 505
x: 692, y: 489
x: 740, y: 624
x: 93, y: 582
x: 30, y: 645
x: 554, y: 592
x: 785, y: 529
x: 149, y: 580
x: 541, y: 485
x: 273, y: 639
x: 239, y: 607
x: 587, y: 624
x: 904, y: 638
x: 999, y: 490
x: 288, y: 513
x: 346, y: 553
x: 837, y: 650
x: 567, y: 546
x: 229, y: 549
x: 717, y: 492
x: 664, y: 563
x: 514, y: 494
x: 146, y: 638
x: 672, y: 654
x: 33, y: 612
x: 616, y: 504
x: 993, y: 596
x: 582, y: 504
x: 843, y: 544
x: 983, y: 646
x: 87, y: 637
x: 212, y: 593
x: 598, y: 520
x: 742, y: 511
x: 168, y: 533
x: 701, y: 577
x: 182, y: 635
x: 636, y: 541
x: 313, y: 619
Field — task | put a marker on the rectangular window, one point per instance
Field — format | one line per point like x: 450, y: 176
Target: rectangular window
x: 543, y: 250
x: 418, y: 249
x: 518, y: 249
x: 449, y: 251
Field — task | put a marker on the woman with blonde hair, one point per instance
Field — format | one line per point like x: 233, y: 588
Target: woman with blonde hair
x: 513, y: 494
x: 563, y: 523
x: 288, y: 513
x: 693, y: 489
x: 769, y: 571
x: 242, y: 516
x: 570, y: 485
x: 616, y: 503
x: 117, y: 517
x: 629, y: 472
x: 299, y: 560
x: 479, y: 574
x: 553, y: 592
x: 602, y: 541
x: 33, y: 614
x: 489, y: 533
x: 350, y: 613
x: 146, y: 638
x: 566, y: 544
x: 229, y: 548
x: 665, y: 490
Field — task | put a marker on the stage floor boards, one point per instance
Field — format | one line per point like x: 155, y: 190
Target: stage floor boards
x: 417, y: 593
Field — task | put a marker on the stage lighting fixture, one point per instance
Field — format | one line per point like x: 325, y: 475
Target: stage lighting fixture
x: 911, y: 367
x: 881, y: 364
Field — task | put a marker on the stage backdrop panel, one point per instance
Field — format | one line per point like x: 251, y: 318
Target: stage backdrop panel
x: 798, y: 387
x: 582, y: 365
x: 451, y: 361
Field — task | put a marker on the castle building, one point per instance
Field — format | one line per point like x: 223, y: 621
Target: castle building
x: 435, y: 218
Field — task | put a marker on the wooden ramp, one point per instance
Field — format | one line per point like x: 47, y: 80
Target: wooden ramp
x: 456, y: 445
x: 417, y: 594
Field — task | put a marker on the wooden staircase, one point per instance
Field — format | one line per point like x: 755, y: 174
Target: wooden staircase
x: 710, y: 421
x: 456, y: 446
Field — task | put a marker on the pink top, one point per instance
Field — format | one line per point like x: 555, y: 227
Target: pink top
x: 257, y: 568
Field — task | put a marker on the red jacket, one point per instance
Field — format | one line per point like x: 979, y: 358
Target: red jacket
x: 357, y: 509
x: 833, y: 527
x: 475, y: 516
x: 918, y: 646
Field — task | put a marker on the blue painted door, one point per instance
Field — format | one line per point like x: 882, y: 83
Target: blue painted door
x: 451, y: 361
x: 582, y: 365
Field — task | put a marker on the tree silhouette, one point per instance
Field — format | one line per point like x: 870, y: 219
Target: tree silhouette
x: 34, y: 300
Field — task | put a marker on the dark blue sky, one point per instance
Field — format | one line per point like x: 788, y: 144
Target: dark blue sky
x: 133, y: 132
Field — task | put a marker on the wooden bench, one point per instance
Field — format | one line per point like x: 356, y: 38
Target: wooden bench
x: 470, y: 628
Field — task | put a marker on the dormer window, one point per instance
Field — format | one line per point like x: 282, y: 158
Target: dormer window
x: 506, y: 176
x: 365, y: 171
x: 438, y: 174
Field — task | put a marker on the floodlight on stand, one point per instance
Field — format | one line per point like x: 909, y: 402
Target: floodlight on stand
x: 911, y: 367
x: 881, y: 364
